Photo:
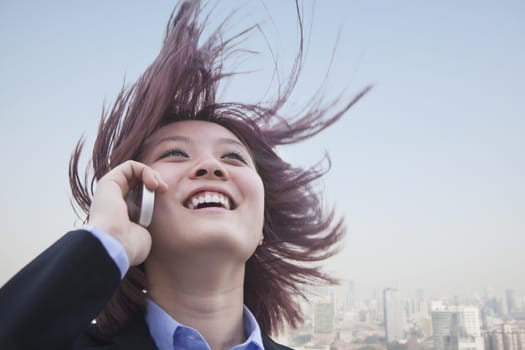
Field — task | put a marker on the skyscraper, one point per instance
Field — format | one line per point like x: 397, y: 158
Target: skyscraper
x: 456, y: 327
x: 393, y: 315
x: 510, y: 297
x: 507, y: 337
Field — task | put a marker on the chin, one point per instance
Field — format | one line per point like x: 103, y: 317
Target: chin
x: 208, y: 238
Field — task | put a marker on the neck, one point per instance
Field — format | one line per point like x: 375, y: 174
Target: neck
x: 205, y: 296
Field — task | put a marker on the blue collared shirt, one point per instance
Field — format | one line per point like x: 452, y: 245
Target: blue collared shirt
x: 167, y: 333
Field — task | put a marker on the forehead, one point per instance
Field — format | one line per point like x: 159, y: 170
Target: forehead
x: 193, y: 129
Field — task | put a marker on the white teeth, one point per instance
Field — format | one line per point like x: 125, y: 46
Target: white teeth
x: 194, y: 202
x: 224, y: 201
x: 208, y: 197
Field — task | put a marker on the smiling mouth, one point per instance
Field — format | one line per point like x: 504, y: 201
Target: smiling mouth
x: 209, y: 199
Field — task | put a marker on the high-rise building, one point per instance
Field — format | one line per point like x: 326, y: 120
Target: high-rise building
x: 345, y: 296
x: 323, y: 310
x: 324, y: 317
x: 345, y: 302
x: 393, y: 311
x: 420, y: 300
x: 506, y: 337
x: 510, y: 297
x: 456, y: 327
x: 421, y: 316
x: 500, y: 306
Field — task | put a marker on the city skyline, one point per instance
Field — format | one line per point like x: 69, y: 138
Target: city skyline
x: 427, y: 169
x: 336, y: 319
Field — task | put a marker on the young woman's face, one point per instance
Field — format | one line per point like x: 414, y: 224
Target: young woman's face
x: 215, y: 197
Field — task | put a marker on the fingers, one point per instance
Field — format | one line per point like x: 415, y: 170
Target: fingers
x: 109, y: 210
x: 130, y: 173
x: 153, y: 180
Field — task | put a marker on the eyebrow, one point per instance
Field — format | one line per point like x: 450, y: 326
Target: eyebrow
x: 228, y: 140
x: 178, y: 138
x: 173, y: 138
x: 151, y: 144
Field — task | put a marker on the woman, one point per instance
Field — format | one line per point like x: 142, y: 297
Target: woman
x: 234, y: 227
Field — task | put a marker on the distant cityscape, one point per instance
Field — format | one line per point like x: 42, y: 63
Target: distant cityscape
x: 335, y: 319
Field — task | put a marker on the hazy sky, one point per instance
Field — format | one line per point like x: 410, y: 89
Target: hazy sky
x: 429, y: 168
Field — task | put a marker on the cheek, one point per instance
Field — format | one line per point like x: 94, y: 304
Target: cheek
x: 257, y: 193
x: 261, y: 195
x: 164, y: 170
x: 252, y: 188
x: 172, y: 176
x: 170, y: 173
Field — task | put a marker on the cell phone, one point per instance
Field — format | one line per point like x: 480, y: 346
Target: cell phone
x: 140, y: 202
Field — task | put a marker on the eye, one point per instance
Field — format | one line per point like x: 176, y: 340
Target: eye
x: 177, y: 153
x: 235, y: 156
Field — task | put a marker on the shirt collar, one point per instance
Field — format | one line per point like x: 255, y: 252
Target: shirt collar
x: 162, y: 328
x: 251, y: 330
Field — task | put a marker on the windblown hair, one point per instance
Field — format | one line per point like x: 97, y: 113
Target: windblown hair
x: 181, y: 84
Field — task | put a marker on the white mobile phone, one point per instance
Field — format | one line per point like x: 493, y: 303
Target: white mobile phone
x: 140, y: 205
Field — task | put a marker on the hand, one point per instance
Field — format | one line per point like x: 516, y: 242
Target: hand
x: 109, y: 211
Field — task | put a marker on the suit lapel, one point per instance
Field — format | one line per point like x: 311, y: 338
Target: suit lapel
x: 269, y: 344
x: 135, y: 337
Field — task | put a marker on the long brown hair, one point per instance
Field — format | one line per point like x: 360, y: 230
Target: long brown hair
x: 181, y: 84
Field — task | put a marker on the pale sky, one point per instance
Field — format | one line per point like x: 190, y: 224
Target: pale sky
x: 429, y: 168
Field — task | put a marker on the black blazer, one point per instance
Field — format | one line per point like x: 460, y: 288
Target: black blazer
x: 51, y: 302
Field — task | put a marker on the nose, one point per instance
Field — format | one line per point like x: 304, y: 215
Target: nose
x: 209, y: 169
